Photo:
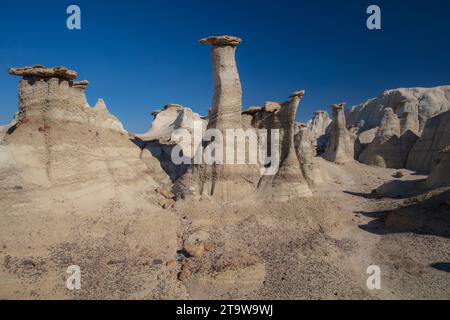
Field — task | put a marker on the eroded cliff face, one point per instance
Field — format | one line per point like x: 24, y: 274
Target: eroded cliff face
x: 64, y: 139
x: 52, y: 94
x: 435, y: 138
x: 424, y: 103
x: 390, y: 148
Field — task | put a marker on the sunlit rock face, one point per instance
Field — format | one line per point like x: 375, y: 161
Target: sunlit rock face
x: 47, y: 94
x: 340, y: 147
x: 424, y: 103
x: 435, y: 138
x: 390, y: 148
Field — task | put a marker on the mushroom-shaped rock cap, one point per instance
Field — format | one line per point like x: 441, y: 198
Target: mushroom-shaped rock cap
x: 221, y: 40
x: 338, y: 106
x: 43, y: 72
x: 252, y: 110
x: 299, y: 93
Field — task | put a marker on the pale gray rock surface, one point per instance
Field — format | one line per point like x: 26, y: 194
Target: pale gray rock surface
x: 435, y: 138
x: 425, y: 103
x: 389, y: 149
x: 440, y: 171
x: 48, y: 94
x: 340, y: 147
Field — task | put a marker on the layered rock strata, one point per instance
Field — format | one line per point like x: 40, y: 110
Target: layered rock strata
x: 390, y: 148
x: 340, y: 147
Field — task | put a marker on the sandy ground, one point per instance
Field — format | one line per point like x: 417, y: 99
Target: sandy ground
x: 72, y: 203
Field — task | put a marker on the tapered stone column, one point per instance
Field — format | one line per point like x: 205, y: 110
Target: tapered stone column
x: 340, y: 148
x: 222, y: 181
x: 289, y: 182
x: 226, y: 107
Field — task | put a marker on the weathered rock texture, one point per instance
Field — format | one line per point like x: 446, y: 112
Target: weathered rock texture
x: 172, y: 117
x: 389, y: 149
x: 158, y: 141
x: 39, y: 71
x: 306, y: 152
x: 318, y: 128
x: 47, y: 94
x: 226, y: 107
x: 340, y: 148
x: 435, y: 137
x: 223, y: 182
x: 425, y: 103
x: 75, y: 191
x: 318, y: 125
x: 440, y: 171
x: 289, y: 181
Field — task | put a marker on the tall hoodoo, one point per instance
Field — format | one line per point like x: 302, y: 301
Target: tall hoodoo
x: 390, y: 148
x: 289, y: 181
x: 226, y: 107
x: 222, y: 181
x: 340, y: 148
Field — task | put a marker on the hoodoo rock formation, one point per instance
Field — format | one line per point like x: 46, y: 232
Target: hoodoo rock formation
x: 424, y: 103
x: 39, y: 71
x: 289, y: 181
x: 222, y: 181
x: 435, y: 137
x: 390, y: 148
x: 50, y: 94
x: 226, y: 106
x: 340, y: 147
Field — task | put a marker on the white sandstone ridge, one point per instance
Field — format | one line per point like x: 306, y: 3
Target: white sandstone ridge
x: 413, y: 106
x: 172, y: 117
x: 52, y: 94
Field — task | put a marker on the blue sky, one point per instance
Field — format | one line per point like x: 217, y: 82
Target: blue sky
x: 139, y: 55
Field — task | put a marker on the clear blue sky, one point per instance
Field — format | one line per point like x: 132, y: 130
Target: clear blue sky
x: 139, y: 55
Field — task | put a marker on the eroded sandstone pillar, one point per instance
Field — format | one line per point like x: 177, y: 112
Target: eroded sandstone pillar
x: 289, y: 182
x: 340, y: 148
x: 226, y: 107
x: 225, y: 181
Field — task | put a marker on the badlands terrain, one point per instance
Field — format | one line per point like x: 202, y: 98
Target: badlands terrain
x: 359, y: 186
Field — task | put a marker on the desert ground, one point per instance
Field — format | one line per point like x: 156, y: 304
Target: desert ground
x: 369, y: 186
